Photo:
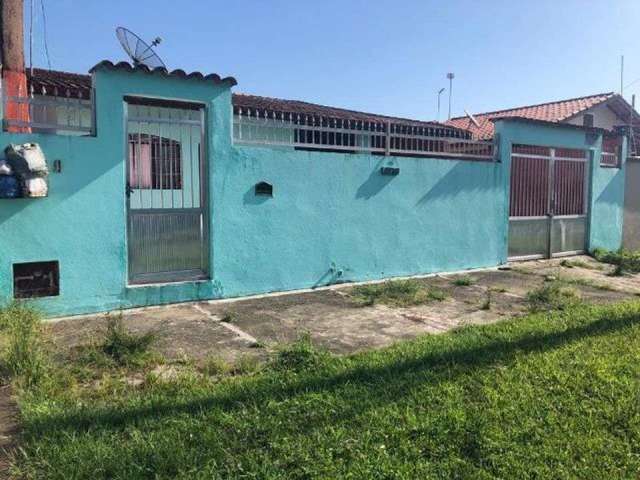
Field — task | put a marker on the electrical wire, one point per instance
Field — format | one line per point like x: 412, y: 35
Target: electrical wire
x: 31, y: 36
x: 44, y: 31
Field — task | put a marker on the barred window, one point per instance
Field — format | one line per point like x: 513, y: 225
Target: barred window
x: 154, y: 162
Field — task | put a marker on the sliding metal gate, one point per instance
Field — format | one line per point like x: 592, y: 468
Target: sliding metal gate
x: 548, y: 202
x: 166, y: 191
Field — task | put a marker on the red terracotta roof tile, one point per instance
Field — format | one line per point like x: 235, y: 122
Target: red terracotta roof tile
x: 269, y: 104
x: 548, y: 112
x: 55, y: 83
x: 52, y: 82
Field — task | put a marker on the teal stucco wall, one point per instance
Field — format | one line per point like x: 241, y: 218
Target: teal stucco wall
x: 606, y: 191
x: 333, y: 217
x: 82, y: 222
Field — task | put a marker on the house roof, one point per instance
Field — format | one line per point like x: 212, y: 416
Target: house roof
x: 269, y: 104
x: 552, y: 112
x: 55, y: 83
x: 52, y: 82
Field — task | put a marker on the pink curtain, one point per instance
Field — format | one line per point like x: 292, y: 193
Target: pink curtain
x: 139, y: 168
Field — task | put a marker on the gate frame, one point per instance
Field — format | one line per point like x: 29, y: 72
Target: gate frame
x: 550, y: 216
x: 178, y: 276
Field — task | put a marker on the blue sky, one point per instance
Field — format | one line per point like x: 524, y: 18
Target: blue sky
x: 379, y: 56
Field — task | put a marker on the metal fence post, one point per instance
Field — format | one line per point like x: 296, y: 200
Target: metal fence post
x: 387, y: 149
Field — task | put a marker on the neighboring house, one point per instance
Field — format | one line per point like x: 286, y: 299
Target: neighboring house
x: 604, y: 110
x: 168, y: 187
x: 608, y: 111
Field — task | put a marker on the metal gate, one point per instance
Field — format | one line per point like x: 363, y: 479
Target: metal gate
x: 548, y: 202
x: 166, y: 194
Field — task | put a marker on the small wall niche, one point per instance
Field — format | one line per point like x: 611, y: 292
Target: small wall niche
x: 390, y: 171
x: 264, y: 189
x: 36, y: 279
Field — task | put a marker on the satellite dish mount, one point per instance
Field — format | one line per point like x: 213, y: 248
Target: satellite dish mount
x: 140, y: 52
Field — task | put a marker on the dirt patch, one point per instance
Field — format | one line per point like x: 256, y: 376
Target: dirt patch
x: 9, y: 429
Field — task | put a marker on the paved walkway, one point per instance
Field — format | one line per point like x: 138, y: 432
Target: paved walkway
x: 335, y: 321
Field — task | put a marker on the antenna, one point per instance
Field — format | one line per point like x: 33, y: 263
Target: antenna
x: 472, y: 118
x: 439, y: 93
x: 138, y: 50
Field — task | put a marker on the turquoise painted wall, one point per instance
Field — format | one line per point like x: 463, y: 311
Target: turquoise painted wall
x: 607, y: 184
x: 334, y: 213
x: 333, y: 217
x: 607, y: 203
x: 82, y: 222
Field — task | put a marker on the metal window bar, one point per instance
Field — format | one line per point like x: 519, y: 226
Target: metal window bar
x: 260, y: 127
x: 62, y: 115
x: 611, y: 151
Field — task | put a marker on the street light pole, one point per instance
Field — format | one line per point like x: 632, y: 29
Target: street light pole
x: 450, y: 76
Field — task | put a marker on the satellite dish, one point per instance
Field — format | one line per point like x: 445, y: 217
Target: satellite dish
x: 140, y: 52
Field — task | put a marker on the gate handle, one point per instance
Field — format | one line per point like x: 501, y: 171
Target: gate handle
x: 128, y: 190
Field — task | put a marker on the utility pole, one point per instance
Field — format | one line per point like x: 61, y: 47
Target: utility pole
x: 439, y: 93
x: 14, y: 78
x: 12, y: 37
x: 450, y: 76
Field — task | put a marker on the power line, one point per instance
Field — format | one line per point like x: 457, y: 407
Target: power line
x: 44, y: 28
x: 31, y: 36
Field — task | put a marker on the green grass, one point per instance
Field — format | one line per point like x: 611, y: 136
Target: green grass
x: 547, y: 396
x: 486, y: 304
x: 577, y: 263
x: 397, y: 293
x: 215, y: 365
x: 22, y: 350
x: 625, y: 261
x: 123, y: 346
x: 552, y: 295
x: 587, y: 282
x: 464, y: 281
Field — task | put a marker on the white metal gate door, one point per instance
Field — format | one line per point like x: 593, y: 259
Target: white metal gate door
x: 548, y: 202
x: 166, y: 191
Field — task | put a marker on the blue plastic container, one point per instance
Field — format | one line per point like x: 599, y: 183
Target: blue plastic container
x: 9, y: 187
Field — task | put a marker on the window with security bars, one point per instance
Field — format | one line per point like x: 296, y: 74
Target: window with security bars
x: 154, y: 162
x: 611, y: 148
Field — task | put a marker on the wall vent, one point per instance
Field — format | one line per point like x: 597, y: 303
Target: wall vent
x: 36, y: 279
x: 265, y: 189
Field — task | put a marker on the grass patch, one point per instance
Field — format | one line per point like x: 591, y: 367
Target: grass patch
x: 229, y: 317
x: 464, y: 281
x: 577, y: 263
x: 245, y: 365
x: 125, y: 347
x: 587, y: 282
x: 552, y: 295
x: 398, y: 293
x: 625, y: 261
x: 22, y: 353
x: 486, y: 304
x: 298, y: 356
x: 216, y: 366
x: 548, y: 396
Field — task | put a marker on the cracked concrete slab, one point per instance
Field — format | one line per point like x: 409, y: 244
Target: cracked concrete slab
x: 334, y: 319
